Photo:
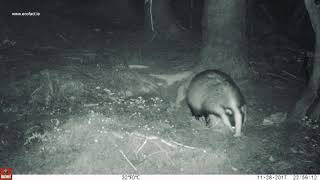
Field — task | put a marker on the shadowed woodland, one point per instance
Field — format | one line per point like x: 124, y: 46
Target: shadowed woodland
x: 98, y: 87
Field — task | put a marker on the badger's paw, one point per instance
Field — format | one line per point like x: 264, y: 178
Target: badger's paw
x: 237, y: 135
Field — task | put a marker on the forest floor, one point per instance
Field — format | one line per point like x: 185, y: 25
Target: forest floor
x: 87, y: 99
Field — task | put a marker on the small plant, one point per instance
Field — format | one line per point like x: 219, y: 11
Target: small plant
x: 36, y: 137
x: 311, y: 123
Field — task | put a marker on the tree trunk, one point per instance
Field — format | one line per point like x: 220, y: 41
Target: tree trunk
x: 308, y: 105
x: 159, y: 19
x: 224, y: 29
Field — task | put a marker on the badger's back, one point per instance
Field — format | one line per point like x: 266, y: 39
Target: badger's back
x: 209, y: 89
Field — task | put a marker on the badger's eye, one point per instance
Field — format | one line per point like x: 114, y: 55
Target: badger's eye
x: 228, y: 111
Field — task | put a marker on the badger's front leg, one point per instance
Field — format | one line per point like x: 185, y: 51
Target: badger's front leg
x: 226, y: 119
x: 238, y: 117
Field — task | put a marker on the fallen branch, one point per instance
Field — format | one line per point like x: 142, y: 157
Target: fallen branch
x: 91, y: 105
x: 157, y: 152
x: 64, y: 39
x: 277, y: 76
x: 170, y: 143
x: 292, y: 76
x: 166, y: 152
x: 189, y: 147
x: 35, y: 91
x: 157, y: 142
x: 128, y: 160
x: 155, y: 138
x: 139, y: 149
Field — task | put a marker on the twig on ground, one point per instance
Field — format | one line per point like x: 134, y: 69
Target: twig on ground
x: 35, y: 91
x: 142, y: 145
x: 63, y: 38
x: 166, y: 152
x: 170, y: 143
x: 151, y: 154
x: 189, y: 147
x: 157, y: 152
x: 128, y: 160
x: 91, y: 105
x: 277, y: 76
x: 155, y: 138
x: 291, y: 75
x: 167, y: 143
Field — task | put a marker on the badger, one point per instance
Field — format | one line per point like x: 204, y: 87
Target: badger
x: 213, y: 93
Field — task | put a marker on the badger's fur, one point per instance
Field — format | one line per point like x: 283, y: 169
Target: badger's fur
x: 214, y: 93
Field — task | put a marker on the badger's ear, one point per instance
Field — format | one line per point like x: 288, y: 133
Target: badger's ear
x: 228, y: 111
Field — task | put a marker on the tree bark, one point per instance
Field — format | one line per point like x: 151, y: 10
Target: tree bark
x: 224, y: 32
x: 308, y: 105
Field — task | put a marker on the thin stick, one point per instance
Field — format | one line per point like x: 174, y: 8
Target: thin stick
x: 166, y: 152
x: 188, y: 147
x: 157, y: 152
x: 167, y: 143
x: 36, y: 90
x: 145, y: 141
x: 286, y: 72
x: 277, y: 76
x: 91, y: 105
x: 63, y: 38
x: 291, y: 75
x: 128, y: 160
x: 155, y: 137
